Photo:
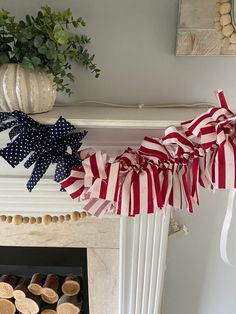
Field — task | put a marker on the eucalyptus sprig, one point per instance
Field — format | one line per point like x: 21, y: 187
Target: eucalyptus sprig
x: 46, y: 42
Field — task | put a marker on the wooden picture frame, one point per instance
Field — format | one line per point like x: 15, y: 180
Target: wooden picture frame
x: 206, y: 28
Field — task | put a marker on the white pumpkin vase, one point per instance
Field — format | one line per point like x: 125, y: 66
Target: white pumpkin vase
x: 25, y: 90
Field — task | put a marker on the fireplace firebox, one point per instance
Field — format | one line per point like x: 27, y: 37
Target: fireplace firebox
x: 25, y: 262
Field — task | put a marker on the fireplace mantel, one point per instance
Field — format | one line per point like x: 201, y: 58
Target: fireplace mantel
x: 90, y: 115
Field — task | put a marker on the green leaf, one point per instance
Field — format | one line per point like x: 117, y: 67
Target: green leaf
x: 42, y: 50
x: 40, y: 15
x: 50, y: 54
x: 50, y: 44
x: 61, y: 36
x: 75, y: 24
x: 26, y: 62
x: 36, y: 61
x: 28, y: 19
x: 38, y: 41
x: 70, y: 76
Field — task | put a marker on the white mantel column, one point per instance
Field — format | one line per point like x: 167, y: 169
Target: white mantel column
x: 143, y: 246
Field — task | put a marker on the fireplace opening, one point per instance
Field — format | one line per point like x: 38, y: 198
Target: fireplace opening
x: 62, y: 280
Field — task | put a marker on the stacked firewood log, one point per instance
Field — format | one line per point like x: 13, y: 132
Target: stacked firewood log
x: 45, y: 294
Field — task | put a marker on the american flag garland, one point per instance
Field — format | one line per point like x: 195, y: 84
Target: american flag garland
x: 162, y: 172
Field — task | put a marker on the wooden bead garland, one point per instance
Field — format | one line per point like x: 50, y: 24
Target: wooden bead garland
x: 45, y: 220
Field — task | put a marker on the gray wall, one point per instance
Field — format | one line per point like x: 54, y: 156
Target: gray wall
x: 134, y: 42
x: 197, y: 281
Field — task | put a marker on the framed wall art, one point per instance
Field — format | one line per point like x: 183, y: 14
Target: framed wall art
x: 206, y: 28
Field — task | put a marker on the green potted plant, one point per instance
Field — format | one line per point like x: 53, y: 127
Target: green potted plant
x: 36, y: 56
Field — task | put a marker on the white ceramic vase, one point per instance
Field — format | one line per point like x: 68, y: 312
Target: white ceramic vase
x: 25, y: 90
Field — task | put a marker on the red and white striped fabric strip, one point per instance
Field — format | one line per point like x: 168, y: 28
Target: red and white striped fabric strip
x: 173, y: 136
x: 175, y: 199
x: 124, y: 197
x: 186, y: 188
x: 74, y: 184
x: 195, y: 179
x: 154, y: 149
x: 225, y: 165
x: 156, y: 183
x: 94, y: 166
x: 98, y: 207
x: 221, y: 99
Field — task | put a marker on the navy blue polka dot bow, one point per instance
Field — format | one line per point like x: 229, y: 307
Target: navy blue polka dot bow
x: 45, y: 145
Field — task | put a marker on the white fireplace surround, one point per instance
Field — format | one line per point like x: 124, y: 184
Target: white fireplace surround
x: 126, y: 256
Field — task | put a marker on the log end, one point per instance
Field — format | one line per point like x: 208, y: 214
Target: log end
x: 71, y: 287
x: 7, y: 306
x: 6, y: 290
x: 19, y: 294
x: 50, y: 300
x: 35, y: 289
x: 67, y: 308
x: 27, y: 306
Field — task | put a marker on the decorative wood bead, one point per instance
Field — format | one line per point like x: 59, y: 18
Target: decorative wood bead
x: 17, y: 220
x: 55, y: 219
x: 67, y: 217
x: 228, y: 30
x: 61, y: 218
x: 46, y: 219
x: 9, y: 219
x: 225, y: 19
x: 83, y: 214
x: 225, y: 8
x: 3, y: 218
x: 26, y: 220
x: 32, y: 220
x: 39, y: 220
x: 75, y: 216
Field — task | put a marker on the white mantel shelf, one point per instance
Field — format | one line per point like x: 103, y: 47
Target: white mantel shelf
x: 97, y: 116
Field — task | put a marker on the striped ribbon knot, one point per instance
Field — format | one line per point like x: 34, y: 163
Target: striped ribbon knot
x: 209, y: 128
x: 142, y: 186
x: 96, y: 181
x: 186, y: 168
x: 214, y: 131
